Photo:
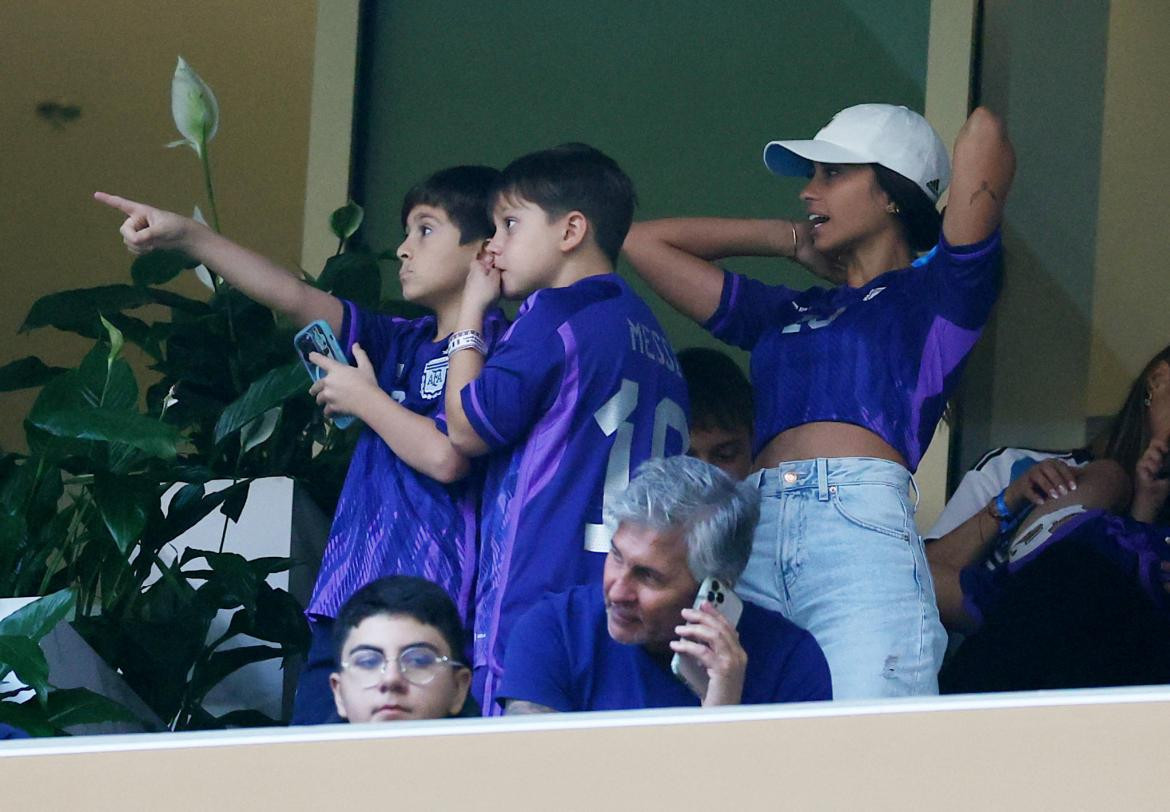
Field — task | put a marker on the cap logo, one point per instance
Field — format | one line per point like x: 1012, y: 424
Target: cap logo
x: 932, y: 185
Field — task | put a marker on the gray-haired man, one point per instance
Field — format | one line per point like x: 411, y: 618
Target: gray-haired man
x: 679, y: 522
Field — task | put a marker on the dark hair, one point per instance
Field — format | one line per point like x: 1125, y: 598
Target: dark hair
x: 919, y: 217
x: 720, y: 394
x: 576, y: 177
x: 1129, y: 433
x: 406, y: 595
x: 464, y: 193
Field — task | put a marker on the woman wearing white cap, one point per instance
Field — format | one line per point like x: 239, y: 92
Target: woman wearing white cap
x: 850, y: 381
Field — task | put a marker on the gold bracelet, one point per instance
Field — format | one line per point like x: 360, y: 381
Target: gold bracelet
x: 795, y: 239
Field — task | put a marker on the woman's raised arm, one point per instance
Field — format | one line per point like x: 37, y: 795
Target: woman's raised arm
x: 677, y: 257
x: 982, y: 169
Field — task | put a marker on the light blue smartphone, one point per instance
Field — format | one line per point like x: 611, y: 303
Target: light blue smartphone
x: 318, y: 336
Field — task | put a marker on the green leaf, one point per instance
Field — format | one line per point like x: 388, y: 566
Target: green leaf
x: 191, y: 504
x: 232, y: 582
x: 233, y: 504
x: 27, y: 372
x: 116, y: 341
x: 111, y: 426
x: 354, y: 275
x: 77, y: 311
x: 25, y: 657
x: 278, y: 618
x: 95, y: 382
x: 222, y: 663
x: 271, y: 389
x: 125, y: 504
x: 159, y: 267
x: 79, y: 706
x: 346, y: 220
x: 258, y: 430
x: 29, y: 716
x: 183, y: 304
x: 35, y: 620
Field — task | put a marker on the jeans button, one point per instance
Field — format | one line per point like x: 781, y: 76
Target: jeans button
x: 789, y: 477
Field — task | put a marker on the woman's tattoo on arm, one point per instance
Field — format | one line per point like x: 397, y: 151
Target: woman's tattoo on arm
x: 984, y: 187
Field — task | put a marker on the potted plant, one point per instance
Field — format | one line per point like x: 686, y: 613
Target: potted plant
x: 84, y: 511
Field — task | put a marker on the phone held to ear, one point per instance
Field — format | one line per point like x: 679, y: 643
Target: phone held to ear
x: 692, y: 672
x: 317, y: 336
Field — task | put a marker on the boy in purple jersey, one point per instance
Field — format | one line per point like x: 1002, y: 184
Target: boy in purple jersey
x: 407, y: 506
x: 580, y: 390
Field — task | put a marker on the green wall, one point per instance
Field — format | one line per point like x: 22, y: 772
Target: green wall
x: 682, y: 94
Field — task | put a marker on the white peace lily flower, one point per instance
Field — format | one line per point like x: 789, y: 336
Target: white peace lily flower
x: 170, y: 400
x: 193, y: 107
x: 201, y: 272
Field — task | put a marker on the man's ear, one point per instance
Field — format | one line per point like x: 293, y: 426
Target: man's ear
x: 335, y: 686
x: 462, y: 686
x: 574, y: 229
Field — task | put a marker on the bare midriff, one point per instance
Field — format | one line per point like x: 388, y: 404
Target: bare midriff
x: 825, y: 439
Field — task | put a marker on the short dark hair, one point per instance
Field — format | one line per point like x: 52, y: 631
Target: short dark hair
x: 720, y: 394
x: 405, y: 595
x: 576, y: 177
x: 919, y: 217
x: 464, y: 193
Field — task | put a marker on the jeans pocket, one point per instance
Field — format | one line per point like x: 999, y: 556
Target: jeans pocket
x: 877, y: 507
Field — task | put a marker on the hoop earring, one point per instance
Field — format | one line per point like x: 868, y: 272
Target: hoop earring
x: 1148, y: 399
x: 893, y: 208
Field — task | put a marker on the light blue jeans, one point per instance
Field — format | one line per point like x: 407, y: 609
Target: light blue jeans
x: 837, y: 553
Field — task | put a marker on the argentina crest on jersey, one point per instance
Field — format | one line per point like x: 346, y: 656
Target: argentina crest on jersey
x: 434, y: 376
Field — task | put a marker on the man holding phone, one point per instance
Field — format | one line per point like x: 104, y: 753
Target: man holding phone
x: 683, y: 527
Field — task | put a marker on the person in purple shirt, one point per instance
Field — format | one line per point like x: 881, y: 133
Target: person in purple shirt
x: 680, y: 521
x: 407, y: 506
x: 850, y: 380
x: 581, y: 389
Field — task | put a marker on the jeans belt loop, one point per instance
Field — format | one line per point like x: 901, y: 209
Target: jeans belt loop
x: 822, y: 479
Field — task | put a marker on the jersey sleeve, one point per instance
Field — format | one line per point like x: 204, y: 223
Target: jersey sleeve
x: 746, y: 308
x: 805, y: 675
x: 519, y: 380
x: 964, y: 279
x: 378, y: 333
x: 536, y: 665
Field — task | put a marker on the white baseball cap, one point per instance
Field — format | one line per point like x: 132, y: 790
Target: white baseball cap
x: 893, y: 136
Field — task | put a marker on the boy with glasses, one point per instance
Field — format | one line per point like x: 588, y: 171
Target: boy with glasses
x: 399, y: 642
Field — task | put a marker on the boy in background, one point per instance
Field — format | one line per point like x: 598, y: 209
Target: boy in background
x: 581, y: 389
x: 722, y: 412
x: 406, y: 506
x: 399, y: 643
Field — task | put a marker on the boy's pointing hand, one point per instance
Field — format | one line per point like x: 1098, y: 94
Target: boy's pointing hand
x: 146, y: 228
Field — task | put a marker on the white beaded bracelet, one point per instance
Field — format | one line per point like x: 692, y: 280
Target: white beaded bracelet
x: 466, y: 340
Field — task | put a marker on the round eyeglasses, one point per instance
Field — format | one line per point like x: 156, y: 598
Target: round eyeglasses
x: 418, y: 665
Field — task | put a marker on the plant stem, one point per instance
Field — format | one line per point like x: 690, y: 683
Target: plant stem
x: 70, y: 533
x: 205, y: 161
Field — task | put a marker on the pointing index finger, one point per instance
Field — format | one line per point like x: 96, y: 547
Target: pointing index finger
x: 120, y: 203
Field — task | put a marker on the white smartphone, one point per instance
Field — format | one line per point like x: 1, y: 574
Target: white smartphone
x: 684, y: 666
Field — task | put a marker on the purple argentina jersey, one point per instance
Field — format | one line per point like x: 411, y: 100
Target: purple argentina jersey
x: 391, y: 519
x: 884, y: 356
x: 581, y: 390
